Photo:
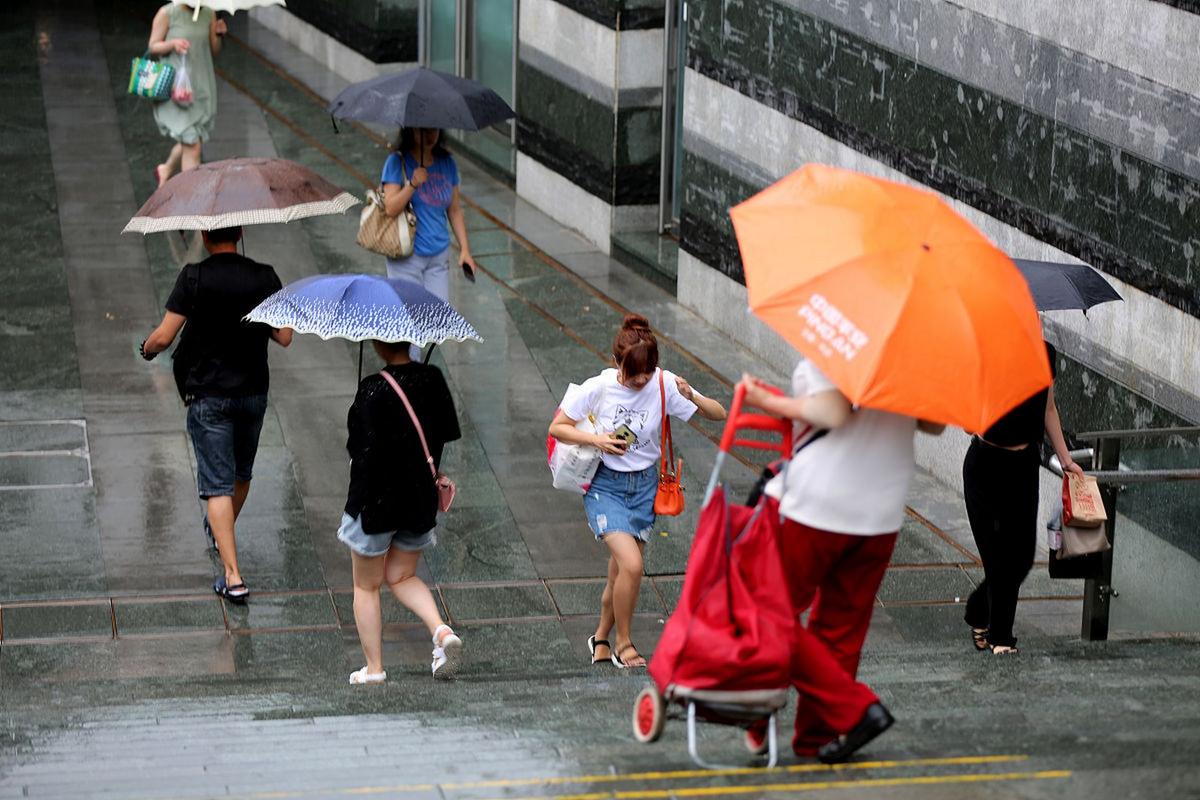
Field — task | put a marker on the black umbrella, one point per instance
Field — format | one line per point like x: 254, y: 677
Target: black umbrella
x: 421, y: 98
x: 1058, y: 287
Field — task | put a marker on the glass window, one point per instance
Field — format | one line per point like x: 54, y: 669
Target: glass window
x: 492, y: 46
x: 442, y: 35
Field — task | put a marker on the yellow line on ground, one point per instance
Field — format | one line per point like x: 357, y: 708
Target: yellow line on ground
x: 955, y: 761
x: 663, y: 775
x: 815, y: 786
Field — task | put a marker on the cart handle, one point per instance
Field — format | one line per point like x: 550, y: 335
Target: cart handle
x: 738, y: 420
x: 759, y: 422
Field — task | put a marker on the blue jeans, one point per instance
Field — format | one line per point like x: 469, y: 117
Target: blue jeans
x: 622, y: 502
x: 351, y: 534
x: 431, y: 272
x: 224, y: 433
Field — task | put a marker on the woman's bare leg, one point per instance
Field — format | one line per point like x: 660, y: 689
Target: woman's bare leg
x: 604, y: 627
x: 411, y: 591
x: 368, y: 616
x: 627, y: 552
x: 171, y: 165
x: 191, y: 156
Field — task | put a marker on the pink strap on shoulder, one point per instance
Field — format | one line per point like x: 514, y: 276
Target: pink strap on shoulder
x: 416, y: 422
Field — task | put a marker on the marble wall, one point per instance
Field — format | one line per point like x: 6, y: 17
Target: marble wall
x: 383, y: 31
x: 1063, y: 136
x: 1081, y: 154
x: 589, y: 99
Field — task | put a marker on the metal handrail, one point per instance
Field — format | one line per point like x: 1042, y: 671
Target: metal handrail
x: 1106, y: 456
x: 1136, y: 433
x: 1123, y: 476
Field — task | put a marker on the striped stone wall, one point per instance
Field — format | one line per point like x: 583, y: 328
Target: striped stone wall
x: 589, y: 99
x: 383, y: 31
x: 1072, y: 134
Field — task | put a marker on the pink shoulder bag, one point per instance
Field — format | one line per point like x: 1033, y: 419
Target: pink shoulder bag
x: 445, y: 487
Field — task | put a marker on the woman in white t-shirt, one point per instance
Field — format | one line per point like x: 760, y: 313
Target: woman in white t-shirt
x: 627, y: 405
x: 842, y: 499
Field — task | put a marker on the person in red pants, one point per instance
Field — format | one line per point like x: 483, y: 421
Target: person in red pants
x: 842, y: 498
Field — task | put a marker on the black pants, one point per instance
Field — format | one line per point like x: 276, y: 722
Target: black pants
x: 1001, y: 490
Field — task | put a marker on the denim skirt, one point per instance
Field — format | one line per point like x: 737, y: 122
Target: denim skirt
x: 622, y: 502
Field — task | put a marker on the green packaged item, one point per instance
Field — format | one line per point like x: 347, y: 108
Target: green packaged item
x: 151, y: 78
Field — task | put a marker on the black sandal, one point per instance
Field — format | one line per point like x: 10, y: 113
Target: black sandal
x: 593, y: 643
x: 979, y: 638
x: 234, y: 593
x: 622, y: 663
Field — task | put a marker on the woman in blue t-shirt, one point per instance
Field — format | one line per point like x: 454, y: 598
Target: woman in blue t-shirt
x: 423, y: 172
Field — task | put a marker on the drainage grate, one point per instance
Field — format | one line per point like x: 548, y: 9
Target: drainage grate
x: 44, y: 454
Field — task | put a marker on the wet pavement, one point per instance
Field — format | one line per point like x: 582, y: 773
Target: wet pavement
x: 121, y: 675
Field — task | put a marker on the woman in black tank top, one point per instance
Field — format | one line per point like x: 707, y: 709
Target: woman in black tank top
x: 1000, y: 486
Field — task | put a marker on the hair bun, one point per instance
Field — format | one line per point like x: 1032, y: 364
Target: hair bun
x: 635, y: 322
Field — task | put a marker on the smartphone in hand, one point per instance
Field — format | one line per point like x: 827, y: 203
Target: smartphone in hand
x: 626, y: 433
x: 468, y: 273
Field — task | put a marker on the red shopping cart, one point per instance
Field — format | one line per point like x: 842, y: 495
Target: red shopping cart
x: 725, y: 652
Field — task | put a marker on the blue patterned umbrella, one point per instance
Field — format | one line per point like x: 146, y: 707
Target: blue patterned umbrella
x: 361, y: 307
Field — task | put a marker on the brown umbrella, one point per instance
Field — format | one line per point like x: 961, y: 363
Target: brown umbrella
x: 239, y: 191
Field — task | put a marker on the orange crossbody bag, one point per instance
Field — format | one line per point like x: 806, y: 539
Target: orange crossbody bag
x: 668, y: 501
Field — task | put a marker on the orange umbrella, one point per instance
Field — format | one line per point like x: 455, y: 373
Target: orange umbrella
x: 901, y: 302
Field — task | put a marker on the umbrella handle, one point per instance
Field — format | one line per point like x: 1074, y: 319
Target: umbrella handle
x: 360, y: 356
x: 333, y: 120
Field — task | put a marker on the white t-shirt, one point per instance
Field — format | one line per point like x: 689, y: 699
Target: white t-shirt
x: 640, y: 410
x: 855, y: 478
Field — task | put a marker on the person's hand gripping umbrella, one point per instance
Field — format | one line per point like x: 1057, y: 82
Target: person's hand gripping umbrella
x: 422, y: 98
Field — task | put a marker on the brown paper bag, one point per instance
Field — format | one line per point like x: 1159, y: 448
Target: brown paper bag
x: 1078, y: 542
x: 1083, y: 507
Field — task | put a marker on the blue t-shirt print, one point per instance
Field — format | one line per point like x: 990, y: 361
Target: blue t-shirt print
x: 430, y: 201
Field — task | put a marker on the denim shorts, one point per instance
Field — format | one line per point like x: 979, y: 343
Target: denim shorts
x: 622, y: 502
x: 370, y: 545
x: 224, y: 433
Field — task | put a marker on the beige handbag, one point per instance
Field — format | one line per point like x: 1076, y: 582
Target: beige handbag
x: 389, y: 236
x: 1081, y: 541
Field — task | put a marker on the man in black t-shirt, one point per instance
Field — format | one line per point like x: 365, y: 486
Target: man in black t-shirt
x: 221, y: 371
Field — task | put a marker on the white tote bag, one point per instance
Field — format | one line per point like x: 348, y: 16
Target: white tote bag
x: 572, y: 466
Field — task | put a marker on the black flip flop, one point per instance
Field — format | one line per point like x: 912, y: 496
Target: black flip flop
x: 593, y: 643
x: 236, y: 593
x: 622, y: 663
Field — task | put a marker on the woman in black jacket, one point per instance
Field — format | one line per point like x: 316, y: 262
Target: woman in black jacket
x: 391, y: 511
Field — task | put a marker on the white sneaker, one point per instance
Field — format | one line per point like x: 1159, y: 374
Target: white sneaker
x: 448, y: 655
x: 361, y: 676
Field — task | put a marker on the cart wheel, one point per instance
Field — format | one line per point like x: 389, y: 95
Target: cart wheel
x: 649, y: 715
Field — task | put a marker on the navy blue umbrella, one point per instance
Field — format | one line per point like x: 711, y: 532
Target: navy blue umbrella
x: 1059, y: 287
x: 421, y: 98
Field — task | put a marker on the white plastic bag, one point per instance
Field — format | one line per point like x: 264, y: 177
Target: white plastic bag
x: 181, y: 90
x: 1054, y: 531
x: 572, y: 466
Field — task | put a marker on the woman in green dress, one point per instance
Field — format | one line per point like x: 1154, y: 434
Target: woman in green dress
x: 180, y: 35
